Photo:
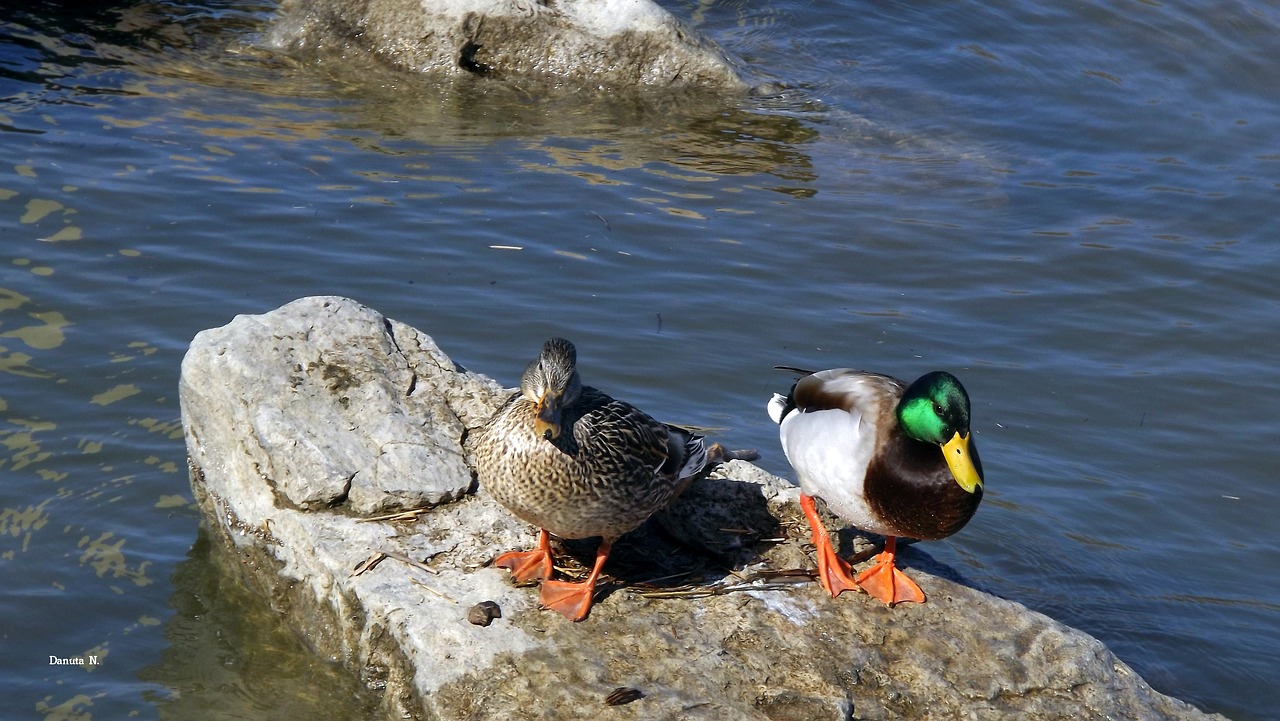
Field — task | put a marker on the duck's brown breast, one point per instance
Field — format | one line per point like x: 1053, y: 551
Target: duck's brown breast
x: 911, y: 490
x: 599, y: 478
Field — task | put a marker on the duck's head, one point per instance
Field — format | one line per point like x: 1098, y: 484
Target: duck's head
x: 551, y: 382
x: 935, y: 409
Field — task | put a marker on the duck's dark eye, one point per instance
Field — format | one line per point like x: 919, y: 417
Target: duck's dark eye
x: 937, y: 409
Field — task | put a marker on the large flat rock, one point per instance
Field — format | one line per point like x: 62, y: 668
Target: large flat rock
x: 305, y: 422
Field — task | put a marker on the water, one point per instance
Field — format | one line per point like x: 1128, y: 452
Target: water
x: 1069, y: 206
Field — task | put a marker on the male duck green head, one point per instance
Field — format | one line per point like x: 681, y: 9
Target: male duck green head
x: 935, y: 409
x: 892, y: 458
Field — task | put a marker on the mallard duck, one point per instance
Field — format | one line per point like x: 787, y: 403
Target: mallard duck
x: 890, y: 458
x: 576, y: 463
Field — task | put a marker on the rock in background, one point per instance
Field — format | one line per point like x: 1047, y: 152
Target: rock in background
x: 580, y: 43
x: 327, y: 449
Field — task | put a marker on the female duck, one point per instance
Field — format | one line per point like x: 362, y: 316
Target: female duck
x: 892, y: 459
x: 578, y: 464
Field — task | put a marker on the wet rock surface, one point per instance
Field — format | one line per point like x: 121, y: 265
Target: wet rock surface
x: 581, y: 43
x: 328, y: 451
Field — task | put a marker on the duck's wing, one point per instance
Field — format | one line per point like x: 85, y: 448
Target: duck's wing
x: 686, y: 453
x: 618, y: 439
x: 831, y: 426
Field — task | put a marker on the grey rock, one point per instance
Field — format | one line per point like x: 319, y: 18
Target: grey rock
x: 707, y: 613
x: 619, y: 43
x: 320, y: 402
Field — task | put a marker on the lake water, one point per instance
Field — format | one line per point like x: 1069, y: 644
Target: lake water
x: 1071, y: 206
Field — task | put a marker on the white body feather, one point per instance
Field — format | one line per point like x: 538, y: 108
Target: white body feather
x: 831, y: 449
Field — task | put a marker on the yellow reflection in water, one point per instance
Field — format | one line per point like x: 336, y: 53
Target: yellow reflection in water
x: 95, y: 656
x: 267, y: 126
x: 137, y: 347
x: 115, y: 393
x: 19, y: 364
x: 46, y: 336
x: 21, y: 522
x: 69, y: 710
x: 50, y: 475
x: 684, y: 213
x: 173, y: 429
x: 70, y: 232
x: 23, y: 443
x: 12, y: 300
x: 172, y: 502
x: 38, y: 208
x: 163, y: 465
x: 105, y: 557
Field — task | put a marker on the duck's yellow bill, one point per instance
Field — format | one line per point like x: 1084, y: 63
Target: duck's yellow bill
x: 956, y: 451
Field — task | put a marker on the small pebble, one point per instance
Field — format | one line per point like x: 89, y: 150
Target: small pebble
x: 483, y: 613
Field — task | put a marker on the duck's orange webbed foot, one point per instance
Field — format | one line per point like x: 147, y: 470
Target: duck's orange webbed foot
x: 571, y: 600
x: 884, y: 581
x: 528, y: 565
x: 834, y: 573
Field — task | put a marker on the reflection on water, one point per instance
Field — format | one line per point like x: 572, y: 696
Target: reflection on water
x: 230, y: 655
x: 700, y: 132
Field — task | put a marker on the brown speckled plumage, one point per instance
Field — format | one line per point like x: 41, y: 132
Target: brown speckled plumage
x: 608, y: 467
